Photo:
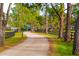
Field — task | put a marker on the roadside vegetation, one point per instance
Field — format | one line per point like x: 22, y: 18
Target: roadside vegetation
x: 13, y: 41
x: 57, y: 46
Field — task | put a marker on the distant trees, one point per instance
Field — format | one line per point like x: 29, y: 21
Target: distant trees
x: 18, y: 16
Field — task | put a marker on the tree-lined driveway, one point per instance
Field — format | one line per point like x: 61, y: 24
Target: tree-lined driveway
x: 34, y: 45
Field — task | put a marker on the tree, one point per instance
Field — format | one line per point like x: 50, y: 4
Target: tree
x: 76, y: 37
x: 34, y: 9
x: 76, y: 34
x: 1, y: 28
x: 46, y: 18
x: 67, y: 36
x: 19, y: 14
x: 61, y: 30
x: 5, y: 19
x: 61, y: 18
x: 8, y: 10
x: 3, y: 23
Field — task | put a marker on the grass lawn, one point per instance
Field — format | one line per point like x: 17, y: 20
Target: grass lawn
x: 12, y: 41
x: 57, y: 46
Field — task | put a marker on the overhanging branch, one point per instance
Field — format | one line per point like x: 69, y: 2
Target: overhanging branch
x: 56, y: 11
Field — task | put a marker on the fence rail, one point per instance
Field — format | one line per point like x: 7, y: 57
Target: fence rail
x: 9, y: 34
x: 71, y: 35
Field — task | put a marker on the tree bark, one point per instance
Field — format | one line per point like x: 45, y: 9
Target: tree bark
x: 22, y: 34
x: 1, y: 28
x: 51, y: 25
x: 61, y: 21
x: 76, y: 38
x: 46, y: 19
x: 32, y: 28
x: 67, y: 36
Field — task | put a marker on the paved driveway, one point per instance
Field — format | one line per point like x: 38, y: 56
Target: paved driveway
x: 34, y: 45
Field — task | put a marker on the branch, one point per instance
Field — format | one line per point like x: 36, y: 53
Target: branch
x: 8, y: 10
x: 56, y: 11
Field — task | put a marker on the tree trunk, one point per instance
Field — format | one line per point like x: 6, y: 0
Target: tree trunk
x: 32, y: 29
x: 61, y: 18
x: 7, y: 14
x: 19, y: 29
x: 61, y: 21
x: 1, y: 28
x: 22, y: 34
x: 76, y: 38
x: 46, y: 19
x: 67, y: 36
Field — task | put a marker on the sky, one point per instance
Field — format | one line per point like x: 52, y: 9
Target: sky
x: 39, y: 1
x: 5, y: 7
x: 30, y: 1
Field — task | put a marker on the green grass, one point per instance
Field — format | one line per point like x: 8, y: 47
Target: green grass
x: 57, y: 46
x: 12, y: 41
x: 9, y: 31
x: 64, y: 48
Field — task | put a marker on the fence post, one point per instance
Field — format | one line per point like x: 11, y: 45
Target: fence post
x: 72, y: 35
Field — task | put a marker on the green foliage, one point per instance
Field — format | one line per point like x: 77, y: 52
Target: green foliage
x: 58, y: 46
x: 29, y: 13
x: 72, y: 21
x: 24, y: 14
x: 19, y: 15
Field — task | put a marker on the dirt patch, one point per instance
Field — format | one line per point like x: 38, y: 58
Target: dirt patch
x: 52, y: 48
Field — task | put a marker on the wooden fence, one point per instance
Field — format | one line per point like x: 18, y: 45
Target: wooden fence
x: 72, y: 35
x: 9, y: 34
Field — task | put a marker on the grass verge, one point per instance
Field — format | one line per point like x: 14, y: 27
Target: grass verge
x: 57, y: 46
x: 12, y: 41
